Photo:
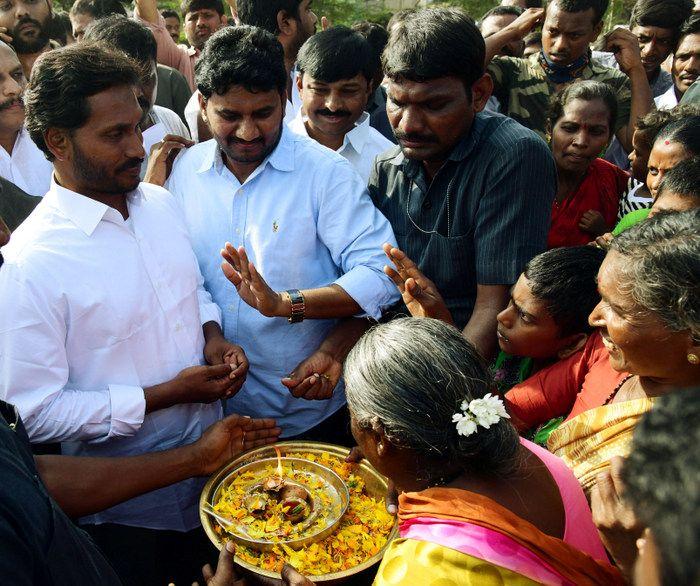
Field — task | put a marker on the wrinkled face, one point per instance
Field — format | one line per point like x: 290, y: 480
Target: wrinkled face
x: 525, y: 327
x: 80, y: 22
x: 247, y: 126
x: 639, y: 157
x: 172, y: 25
x: 494, y: 24
x: 333, y: 108
x: 686, y: 63
x: 580, y: 135
x: 664, y: 156
x: 12, y: 84
x: 107, y: 151
x: 429, y: 118
x: 306, y: 25
x: 637, y: 340
x: 566, y: 36
x: 668, y: 201
x: 27, y: 22
x: 656, y: 44
x: 202, y: 24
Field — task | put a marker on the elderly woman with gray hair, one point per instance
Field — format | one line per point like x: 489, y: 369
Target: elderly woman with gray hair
x: 649, y: 319
x: 476, y: 501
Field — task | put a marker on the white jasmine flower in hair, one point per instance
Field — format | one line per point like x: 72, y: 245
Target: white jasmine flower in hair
x: 488, y: 411
x: 465, y: 424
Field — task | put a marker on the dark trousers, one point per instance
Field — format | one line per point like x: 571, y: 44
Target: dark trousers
x: 332, y: 430
x: 150, y: 557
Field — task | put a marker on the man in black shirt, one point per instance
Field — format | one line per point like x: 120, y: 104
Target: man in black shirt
x: 38, y: 542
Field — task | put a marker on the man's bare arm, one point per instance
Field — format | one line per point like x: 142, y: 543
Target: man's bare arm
x: 481, y: 328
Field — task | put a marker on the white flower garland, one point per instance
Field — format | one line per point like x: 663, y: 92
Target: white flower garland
x: 483, y: 412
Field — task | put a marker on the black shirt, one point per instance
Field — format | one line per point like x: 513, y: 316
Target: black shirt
x: 38, y: 543
x: 485, y: 214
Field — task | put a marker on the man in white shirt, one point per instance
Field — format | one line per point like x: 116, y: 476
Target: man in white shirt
x: 292, y: 22
x: 335, y: 81
x: 686, y: 64
x: 21, y: 162
x: 306, y: 222
x: 105, y: 327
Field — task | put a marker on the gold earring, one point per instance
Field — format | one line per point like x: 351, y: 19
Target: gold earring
x: 693, y: 358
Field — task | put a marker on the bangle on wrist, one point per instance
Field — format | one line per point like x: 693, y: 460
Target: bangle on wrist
x: 298, y: 306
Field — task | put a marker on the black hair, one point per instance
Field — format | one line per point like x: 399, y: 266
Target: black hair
x: 587, y: 90
x: 682, y: 180
x: 685, y: 132
x: 690, y: 27
x: 433, y: 43
x: 651, y: 124
x: 399, y: 16
x: 662, y: 483
x: 599, y: 7
x: 533, y: 39
x: 62, y: 81
x: 377, y: 37
x: 243, y: 55
x: 60, y: 27
x: 170, y: 14
x: 98, y: 8
x: 334, y: 54
x: 124, y: 34
x: 533, y: 3
x: 263, y: 13
x: 565, y: 279
x: 669, y: 14
x: 188, y: 6
x: 502, y: 11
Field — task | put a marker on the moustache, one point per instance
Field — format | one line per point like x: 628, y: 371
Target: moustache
x: 27, y: 20
x: 130, y: 164
x: 327, y: 112
x: 426, y: 138
x: 11, y: 102
x: 246, y: 142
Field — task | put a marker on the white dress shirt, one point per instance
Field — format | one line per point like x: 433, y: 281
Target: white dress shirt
x: 165, y: 121
x: 307, y: 221
x: 93, y: 309
x: 26, y: 167
x: 360, y: 146
x: 667, y: 100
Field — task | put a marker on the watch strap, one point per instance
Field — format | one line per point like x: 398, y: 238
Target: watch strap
x: 298, y: 306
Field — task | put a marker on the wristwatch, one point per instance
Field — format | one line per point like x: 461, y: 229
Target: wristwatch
x: 298, y: 306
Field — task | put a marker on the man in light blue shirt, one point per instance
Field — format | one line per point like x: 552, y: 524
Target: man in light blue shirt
x: 309, y: 236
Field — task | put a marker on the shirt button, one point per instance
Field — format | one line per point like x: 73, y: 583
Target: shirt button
x: 238, y: 230
x: 178, y: 326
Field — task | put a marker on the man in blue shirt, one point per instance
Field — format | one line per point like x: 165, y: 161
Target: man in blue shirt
x: 307, y: 238
x: 469, y: 195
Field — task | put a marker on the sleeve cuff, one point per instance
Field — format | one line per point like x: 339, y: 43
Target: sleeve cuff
x: 372, y: 291
x: 209, y: 312
x: 128, y: 408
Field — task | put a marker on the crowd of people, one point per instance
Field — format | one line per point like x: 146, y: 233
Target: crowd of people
x: 470, y: 250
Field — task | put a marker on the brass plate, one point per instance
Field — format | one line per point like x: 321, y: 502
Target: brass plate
x: 375, y: 485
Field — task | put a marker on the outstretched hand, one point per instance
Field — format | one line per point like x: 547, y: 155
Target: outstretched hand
x: 420, y: 295
x: 250, y: 285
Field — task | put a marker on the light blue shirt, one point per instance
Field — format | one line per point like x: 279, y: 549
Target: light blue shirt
x: 306, y: 221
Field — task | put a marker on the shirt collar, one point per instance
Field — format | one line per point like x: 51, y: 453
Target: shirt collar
x: 85, y: 212
x: 358, y: 136
x: 282, y: 158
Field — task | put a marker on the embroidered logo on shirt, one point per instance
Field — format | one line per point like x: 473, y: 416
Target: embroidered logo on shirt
x: 275, y: 226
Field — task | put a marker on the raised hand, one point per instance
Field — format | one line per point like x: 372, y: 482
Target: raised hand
x: 227, y: 438
x: 315, y: 378
x: 162, y: 156
x: 251, y: 287
x: 420, y: 295
x: 625, y: 45
x: 593, y: 222
x: 527, y: 21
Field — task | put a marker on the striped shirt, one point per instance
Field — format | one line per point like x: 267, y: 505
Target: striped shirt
x: 484, y: 215
x: 524, y: 92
